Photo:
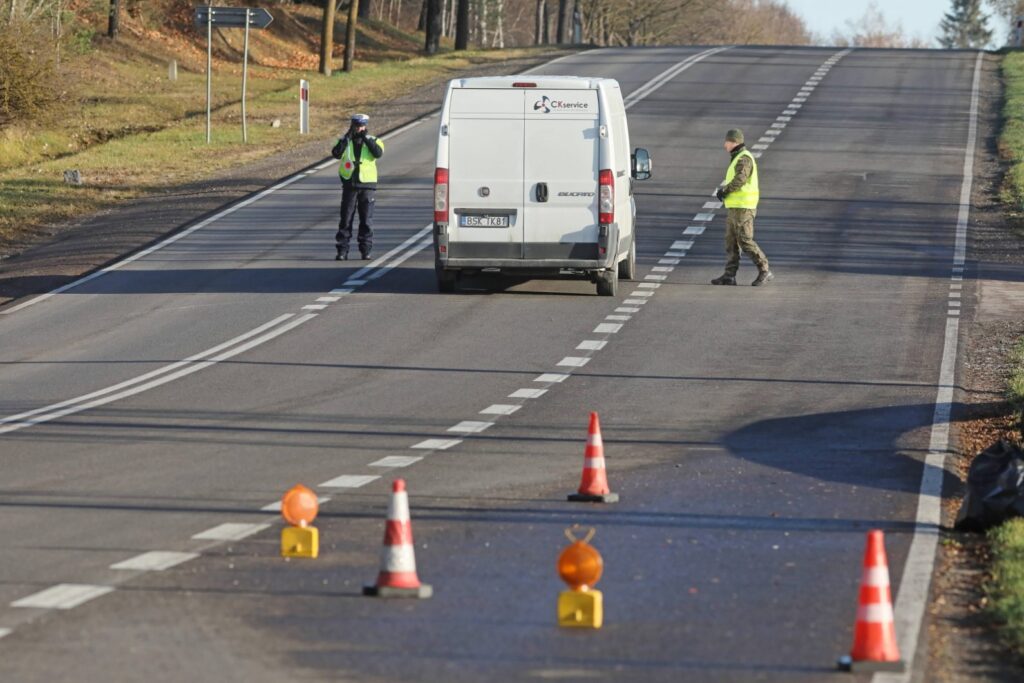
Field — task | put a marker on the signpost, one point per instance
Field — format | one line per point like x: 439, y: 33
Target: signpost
x: 229, y: 17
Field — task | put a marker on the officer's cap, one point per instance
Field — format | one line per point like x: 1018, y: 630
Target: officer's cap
x: 734, y: 135
x: 360, y: 119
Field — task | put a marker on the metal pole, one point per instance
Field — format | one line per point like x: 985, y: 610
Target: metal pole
x: 245, y: 75
x: 209, y: 66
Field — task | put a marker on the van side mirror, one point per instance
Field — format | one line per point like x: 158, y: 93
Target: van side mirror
x: 641, y: 164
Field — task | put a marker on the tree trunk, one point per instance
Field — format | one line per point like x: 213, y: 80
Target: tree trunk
x: 421, y: 25
x: 538, y: 35
x: 327, y: 38
x: 462, y: 26
x: 547, y: 25
x: 350, y: 34
x: 433, y: 37
x: 364, y: 8
x: 115, y: 12
x: 563, y: 21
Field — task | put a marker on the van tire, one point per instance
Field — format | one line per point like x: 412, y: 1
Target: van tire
x: 447, y: 281
x: 608, y: 282
x: 627, y: 266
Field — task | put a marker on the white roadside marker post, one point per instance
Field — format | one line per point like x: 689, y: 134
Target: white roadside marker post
x: 303, y: 107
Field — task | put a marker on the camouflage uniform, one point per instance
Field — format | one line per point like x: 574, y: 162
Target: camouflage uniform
x: 739, y: 224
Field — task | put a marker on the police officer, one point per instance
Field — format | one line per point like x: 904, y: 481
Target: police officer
x: 741, y: 192
x: 358, y: 153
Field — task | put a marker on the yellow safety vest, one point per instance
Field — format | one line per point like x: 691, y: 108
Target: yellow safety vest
x: 747, y: 196
x: 367, y: 163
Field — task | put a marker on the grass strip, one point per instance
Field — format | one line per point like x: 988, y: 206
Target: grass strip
x: 1011, y: 139
x: 1006, y: 587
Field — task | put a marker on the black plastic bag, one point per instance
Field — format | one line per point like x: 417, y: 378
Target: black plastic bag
x: 995, y: 488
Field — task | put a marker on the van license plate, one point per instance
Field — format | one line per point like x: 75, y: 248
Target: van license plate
x: 479, y: 221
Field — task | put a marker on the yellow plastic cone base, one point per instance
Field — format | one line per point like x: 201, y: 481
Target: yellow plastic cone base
x: 581, y: 609
x: 298, y: 541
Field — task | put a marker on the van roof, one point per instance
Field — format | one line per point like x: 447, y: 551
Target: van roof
x: 547, y: 82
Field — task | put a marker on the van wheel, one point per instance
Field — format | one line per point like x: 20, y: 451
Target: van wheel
x: 447, y: 281
x: 608, y: 282
x: 627, y: 266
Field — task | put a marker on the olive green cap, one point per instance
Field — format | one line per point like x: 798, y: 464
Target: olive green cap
x: 734, y: 135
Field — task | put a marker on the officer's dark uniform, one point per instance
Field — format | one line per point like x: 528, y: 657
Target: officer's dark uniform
x: 358, y: 189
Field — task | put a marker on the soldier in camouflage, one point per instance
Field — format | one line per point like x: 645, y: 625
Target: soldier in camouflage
x: 741, y: 192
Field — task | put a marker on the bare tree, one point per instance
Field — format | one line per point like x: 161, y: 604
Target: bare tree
x: 350, y: 34
x: 327, y: 38
x: 563, y: 21
x: 433, y: 32
x: 364, y: 8
x: 115, y: 12
x: 462, y: 25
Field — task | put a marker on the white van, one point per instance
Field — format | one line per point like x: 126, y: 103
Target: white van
x: 534, y: 177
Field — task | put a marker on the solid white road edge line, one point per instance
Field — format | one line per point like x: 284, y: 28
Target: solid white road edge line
x: 912, y: 598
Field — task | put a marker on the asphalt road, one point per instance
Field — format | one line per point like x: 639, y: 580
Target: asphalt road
x: 753, y: 434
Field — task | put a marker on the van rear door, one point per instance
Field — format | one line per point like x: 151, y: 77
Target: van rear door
x: 485, y: 151
x: 562, y: 161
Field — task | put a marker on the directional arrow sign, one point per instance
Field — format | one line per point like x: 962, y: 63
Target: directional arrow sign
x: 233, y: 17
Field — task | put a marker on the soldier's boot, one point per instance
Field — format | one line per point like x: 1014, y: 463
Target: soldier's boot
x: 365, y: 253
x: 342, y: 254
x: 763, y: 277
x: 724, y: 280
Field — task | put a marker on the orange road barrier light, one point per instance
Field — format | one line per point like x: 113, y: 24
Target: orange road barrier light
x: 299, y: 507
x: 580, y: 566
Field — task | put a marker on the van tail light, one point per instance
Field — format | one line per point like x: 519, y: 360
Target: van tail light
x: 441, y: 195
x: 606, y: 197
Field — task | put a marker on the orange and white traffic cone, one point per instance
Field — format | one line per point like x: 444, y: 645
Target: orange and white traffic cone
x: 874, y: 634
x: 397, y: 578
x: 594, y: 482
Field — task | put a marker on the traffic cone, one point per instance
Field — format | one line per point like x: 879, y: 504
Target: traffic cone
x: 594, y: 482
x: 397, y: 578
x: 874, y: 633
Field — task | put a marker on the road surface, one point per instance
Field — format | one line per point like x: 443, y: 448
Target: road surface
x: 754, y: 435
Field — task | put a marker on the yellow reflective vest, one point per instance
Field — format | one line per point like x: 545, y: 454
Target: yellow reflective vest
x: 367, y: 162
x: 747, y: 196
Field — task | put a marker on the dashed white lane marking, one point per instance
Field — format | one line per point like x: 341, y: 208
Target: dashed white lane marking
x: 799, y: 100
x: 757, y: 155
x: 436, y: 444
x: 63, y: 596
x: 663, y: 269
x: 784, y: 119
x: 630, y: 302
x: 619, y: 318
x: 778, y: 126
x: 355, y: 283
x: 703, y: 217
x: 761, y: 147
x: 607, y: 328
x: 528, y: 393
x: 627, y: 309
x: 912, y: 598
x: 790, y: 112
x: 773, y: 132
x: 656, y: 278
x: 314, y: 307
x: 397, y: 461
x: 550, y: 377
x: 694, y: 230
x: 276, y: 505
x: 675, y: 254
x: 670, y: 261
x: 642, y: 293
x: 328, y: 299
x: 648, y: 285
x: 342, y: 291
x: 470, y: 427
x: 712, y: 205
x: 156, y: 560
x: 230, y: 531
x: 591, y: 344
x: 5, y: 632
x: 350, y: 481
x: 500, y: 409
x: 573, y: 362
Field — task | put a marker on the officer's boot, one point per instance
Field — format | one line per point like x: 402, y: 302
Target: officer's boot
x: 365, y: 253
x: 763, y: 277
x: 342, y: 254
x: 724, y: 279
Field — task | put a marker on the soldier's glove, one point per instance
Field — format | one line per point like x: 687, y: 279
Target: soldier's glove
x: 720, y: 194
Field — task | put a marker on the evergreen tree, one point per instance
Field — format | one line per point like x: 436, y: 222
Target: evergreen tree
x: 964, y: 26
